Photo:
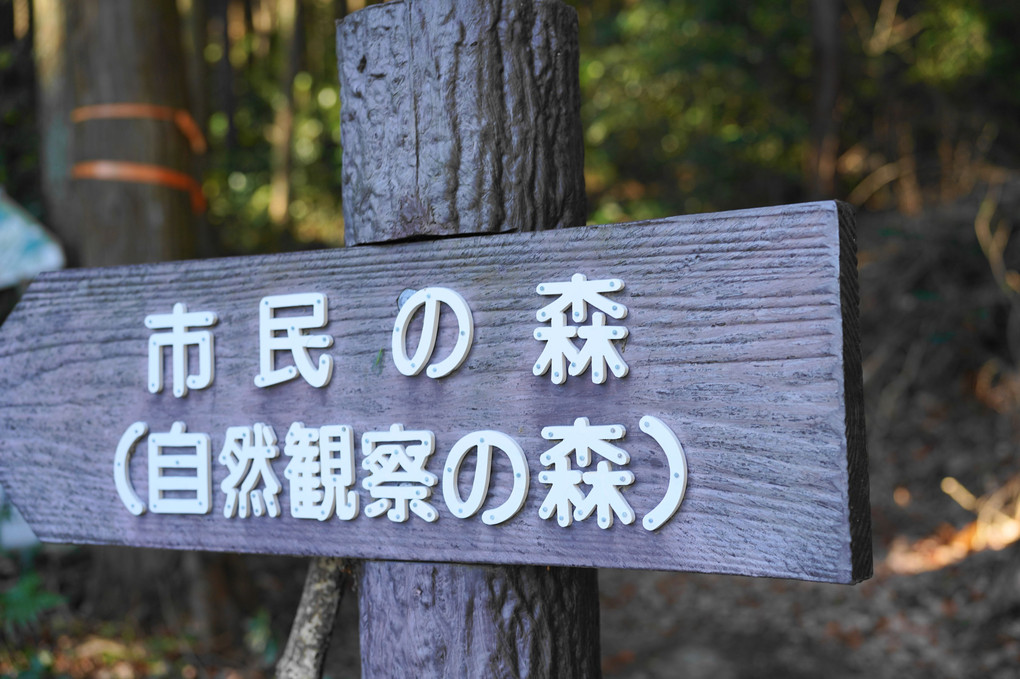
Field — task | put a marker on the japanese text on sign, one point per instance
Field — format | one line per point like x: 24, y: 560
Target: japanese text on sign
x: 584, y: 467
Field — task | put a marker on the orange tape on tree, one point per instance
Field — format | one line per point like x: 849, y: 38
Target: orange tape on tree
x: 115, y: 170
x: 181, y: 118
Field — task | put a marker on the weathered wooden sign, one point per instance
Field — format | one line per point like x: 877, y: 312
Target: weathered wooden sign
x: 680, y: 394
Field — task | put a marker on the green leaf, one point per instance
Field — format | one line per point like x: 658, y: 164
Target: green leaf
x: 22, y: 604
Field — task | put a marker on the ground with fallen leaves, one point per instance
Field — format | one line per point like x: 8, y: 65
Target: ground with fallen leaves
x: 941, y: 334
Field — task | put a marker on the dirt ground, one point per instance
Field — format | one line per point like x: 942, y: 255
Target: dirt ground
x: 940, y: 324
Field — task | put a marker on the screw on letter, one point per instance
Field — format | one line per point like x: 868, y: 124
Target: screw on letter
x: 430, y: 299
x: 295, y: 340
x: 576, y: 295
x: 485, y: 441
x: 179, y: 338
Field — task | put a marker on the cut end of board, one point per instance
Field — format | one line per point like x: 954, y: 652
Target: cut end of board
x: 858, y: 505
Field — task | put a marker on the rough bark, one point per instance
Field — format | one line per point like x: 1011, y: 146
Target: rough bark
x: 460, y: 117
x: 464, y: 117
x: 448, y: 620
x: 313, y: 624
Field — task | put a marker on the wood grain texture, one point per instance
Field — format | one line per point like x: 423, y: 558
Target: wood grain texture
x: 479, y: 621
x: 737, y: 343
x: 460, y: 117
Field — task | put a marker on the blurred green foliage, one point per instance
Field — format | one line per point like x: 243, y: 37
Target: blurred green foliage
x: 19, y: 141
x: 25, y: 601
x: 247, y: 85
x: 688, y: 106
x: 694, y: 105
x: 258, y: 638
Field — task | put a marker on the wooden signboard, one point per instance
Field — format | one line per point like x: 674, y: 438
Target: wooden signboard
x: 681, y: 394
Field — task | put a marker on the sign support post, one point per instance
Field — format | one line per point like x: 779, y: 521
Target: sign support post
x: 461, y: 118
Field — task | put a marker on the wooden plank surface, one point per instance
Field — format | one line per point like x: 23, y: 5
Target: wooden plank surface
x: 742, y: 340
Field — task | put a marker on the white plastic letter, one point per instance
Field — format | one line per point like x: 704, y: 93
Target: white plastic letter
x: 121, y: 471
x: 565, y: 499
x: 485, y: 441
x: 179, y: 339
x: 294, y: 340
x: 598, y: 351
x: 430, y: 298
x: 321, y: 472
x: 199, y: 484
x: 670, y: 445
x: 246, y: 454
x: 398, y: 479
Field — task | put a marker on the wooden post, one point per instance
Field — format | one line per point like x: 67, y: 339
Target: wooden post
x: 457, y: 118
x: 460, y: 118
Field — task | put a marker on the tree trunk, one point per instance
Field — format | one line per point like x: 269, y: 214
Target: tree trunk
x: 92, y: 52
x: 313, y: 624
x: 460, y: 117
x: 55, y: 101
x: 452, y: 620
x: 824, y: 142
x: 463, y: 118
x: 123, y: 51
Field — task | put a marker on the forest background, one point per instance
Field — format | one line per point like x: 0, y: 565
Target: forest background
x: 908, y: 109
